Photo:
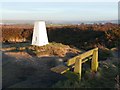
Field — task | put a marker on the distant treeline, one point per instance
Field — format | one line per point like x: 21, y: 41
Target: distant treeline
x: 77, y: 35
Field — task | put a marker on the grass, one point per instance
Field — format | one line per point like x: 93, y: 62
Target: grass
x: 104, y: 54
x: 14, y: 47
x: 104, y: 78
x: 53, y: 49
x: 107, y: 71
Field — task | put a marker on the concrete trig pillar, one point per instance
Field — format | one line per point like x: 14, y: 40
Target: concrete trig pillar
x: 39, y: 37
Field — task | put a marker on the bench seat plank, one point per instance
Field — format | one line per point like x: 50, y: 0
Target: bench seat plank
x: 60, y: 69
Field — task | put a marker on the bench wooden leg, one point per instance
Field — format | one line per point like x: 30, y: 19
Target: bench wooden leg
x: 94, y: 63
x: 78, y: 66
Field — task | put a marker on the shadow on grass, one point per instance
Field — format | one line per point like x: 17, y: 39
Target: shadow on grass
x: 31, y: 74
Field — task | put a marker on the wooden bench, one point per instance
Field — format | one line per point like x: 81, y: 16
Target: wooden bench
x: 76, y: 62
x: 60, y: 69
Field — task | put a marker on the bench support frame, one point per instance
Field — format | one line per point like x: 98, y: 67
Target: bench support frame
x: 94, y: 62
x: 78, y: 61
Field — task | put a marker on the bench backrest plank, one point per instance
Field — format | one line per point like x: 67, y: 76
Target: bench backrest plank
x: 81, y: 56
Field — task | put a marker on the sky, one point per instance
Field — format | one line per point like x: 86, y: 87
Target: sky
x: 59, y: 0
x: 58, y: 11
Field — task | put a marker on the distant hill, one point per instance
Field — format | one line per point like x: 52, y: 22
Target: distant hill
x: 55, y: 22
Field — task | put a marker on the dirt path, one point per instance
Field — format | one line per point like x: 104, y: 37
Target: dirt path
x: 21, y: 70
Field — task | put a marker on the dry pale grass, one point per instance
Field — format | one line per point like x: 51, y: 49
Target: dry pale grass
x: 18, y: 55
x: 54, y: 49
